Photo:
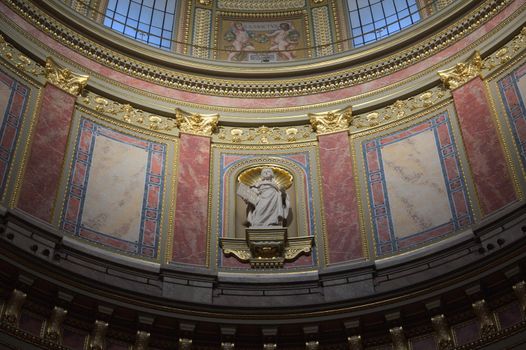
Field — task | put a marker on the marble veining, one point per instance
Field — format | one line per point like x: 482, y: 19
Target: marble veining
x: 485, y: 153
x: 115, y: 190
x: 416, y: 188
x: 44, y: 166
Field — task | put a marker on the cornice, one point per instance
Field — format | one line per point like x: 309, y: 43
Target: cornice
x: 278, y: 87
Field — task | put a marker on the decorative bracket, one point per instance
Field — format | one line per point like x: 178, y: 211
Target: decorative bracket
x: 267, y: 247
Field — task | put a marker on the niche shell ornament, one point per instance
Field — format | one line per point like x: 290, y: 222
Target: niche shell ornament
x: 266, y: 244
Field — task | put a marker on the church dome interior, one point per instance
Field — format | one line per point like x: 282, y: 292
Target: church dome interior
x: 278, y: 174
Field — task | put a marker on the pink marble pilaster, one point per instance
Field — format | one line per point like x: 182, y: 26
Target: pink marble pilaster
x: 44, y: 166
x: 339, y: 198
x: 485, y: 153
x: 191, y: 212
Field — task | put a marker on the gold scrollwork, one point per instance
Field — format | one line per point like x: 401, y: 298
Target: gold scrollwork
x: 333, y: 121
x: 264, y: 134
x: 196, y: 124
x: 64, y: 78
x: 399, y: 109
x: 462, y: 72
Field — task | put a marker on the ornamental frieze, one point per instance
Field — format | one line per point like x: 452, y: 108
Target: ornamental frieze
x: 259, y: 88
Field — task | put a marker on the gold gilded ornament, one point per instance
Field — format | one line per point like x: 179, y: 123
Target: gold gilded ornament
x: 463, y: 72
x: 64, y: 79
x: 196, y: 124
x: 324, y: 123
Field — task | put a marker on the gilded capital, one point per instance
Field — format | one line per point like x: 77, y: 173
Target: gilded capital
x: 196, y: 124
x: 324, y: 123
x: 64, y: 79
x: 520, y: 292
x: 462, y: 72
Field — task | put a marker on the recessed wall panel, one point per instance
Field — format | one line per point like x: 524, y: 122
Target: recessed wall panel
x: 115, y: 190
x: 416, y: 187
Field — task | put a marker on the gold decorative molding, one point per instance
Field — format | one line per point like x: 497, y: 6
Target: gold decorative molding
x: 64, y: 78
x: 462, y: 72
x: 322, y: 31
x: 266, y: 247
x: 355, y: 342
x: 400, y: 109
x: 264, y: 134
x: 196, y: 124
x: 270, y: 346
x: 141, y: 340
x: 254, y: 88
x: 324, y: 123
x: 258, y: 5
x: 97, y: 338
x: 488, y: 326
x: 443, y: 333
x: 251, y: 176
x: 14, y: 307
x: 129, y: 114
x: 53, y: 330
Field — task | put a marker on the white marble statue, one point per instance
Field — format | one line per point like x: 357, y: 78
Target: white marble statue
x: 268, y: 204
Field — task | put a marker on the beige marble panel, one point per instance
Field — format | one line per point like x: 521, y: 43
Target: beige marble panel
x: 415, y: 184
x: 115, y: 190
x: 5, y: 93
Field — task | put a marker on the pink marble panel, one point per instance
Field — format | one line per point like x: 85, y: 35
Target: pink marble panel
x: 262, y: 103
x: 44, y: 166
x: 484, y: 150
x: 339, y: 198
x: 191, y: 213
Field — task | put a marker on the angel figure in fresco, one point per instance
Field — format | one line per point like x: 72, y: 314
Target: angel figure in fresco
x: 240, y: 41
x: 267, y: 203
x: 284, y: 40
